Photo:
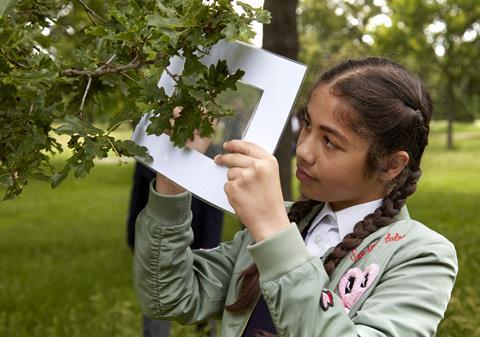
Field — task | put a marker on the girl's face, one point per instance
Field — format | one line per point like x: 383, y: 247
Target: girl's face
x: 332, y: 159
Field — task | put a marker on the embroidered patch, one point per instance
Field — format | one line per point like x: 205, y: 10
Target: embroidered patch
x: 326, y: 299
x: 355, y: 283
x: 393, y: 237
x: 355, y: 256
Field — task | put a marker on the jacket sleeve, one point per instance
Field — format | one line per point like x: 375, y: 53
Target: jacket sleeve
x: 409, y: 299
x: 171, y: 280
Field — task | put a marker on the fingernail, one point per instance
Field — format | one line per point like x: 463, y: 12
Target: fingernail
x: 225, y: 144
x: 216, y: 157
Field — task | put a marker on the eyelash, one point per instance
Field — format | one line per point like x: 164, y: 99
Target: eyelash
x: 329, y: 144
x: 305, y: 121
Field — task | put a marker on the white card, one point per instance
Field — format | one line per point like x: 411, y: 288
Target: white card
x: 262, y: 105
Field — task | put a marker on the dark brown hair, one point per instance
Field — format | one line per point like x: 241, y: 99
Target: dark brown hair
x: 391, y: 108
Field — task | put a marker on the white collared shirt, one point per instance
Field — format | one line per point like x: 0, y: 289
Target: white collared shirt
x: 329, y: 227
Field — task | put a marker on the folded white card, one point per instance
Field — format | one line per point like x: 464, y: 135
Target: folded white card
x: 262, y: 105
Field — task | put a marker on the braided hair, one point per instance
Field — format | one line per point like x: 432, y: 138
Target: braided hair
x: 392, y: 109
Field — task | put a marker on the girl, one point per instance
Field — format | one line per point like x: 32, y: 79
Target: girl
x: 349, y: 261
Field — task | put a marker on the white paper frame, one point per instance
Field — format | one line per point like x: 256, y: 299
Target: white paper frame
x: 278, y: 77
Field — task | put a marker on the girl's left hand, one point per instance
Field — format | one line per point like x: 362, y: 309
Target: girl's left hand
x: 253, y: 188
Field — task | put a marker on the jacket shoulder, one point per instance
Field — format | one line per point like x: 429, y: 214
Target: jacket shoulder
x: 418, y: 232
x: 418, y: 239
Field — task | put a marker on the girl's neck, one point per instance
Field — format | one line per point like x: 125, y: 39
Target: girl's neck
x: 340, y: 205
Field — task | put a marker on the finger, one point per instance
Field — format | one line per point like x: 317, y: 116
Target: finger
x: 234, y: 172
x: 234, y: 160
x: 177, y: 111
x: 246, y: 148
x: 199, y: 143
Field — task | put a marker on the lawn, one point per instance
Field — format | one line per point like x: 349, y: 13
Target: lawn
x: 65, y: 269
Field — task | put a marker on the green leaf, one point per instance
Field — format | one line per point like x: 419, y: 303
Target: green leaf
x: 159, y: 21
x: 6, y: 179
x: 119, y: 119
x: 73, y: 125
x: 41, y: 74
x: 57, y: 178
x: 6, y: 6
x: 99, y: 31
x: 231, y: 31
x: 128, y: 147
x: 193, y: 65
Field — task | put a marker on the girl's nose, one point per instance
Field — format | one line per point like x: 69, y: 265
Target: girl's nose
x: 305, y: 153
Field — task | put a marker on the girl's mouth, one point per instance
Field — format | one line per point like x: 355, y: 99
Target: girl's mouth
x: 303, y: 176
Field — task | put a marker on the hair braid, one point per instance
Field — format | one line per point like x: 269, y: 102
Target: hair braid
x: 250, y: 286
x: 381, y: 217
x: 391, y: 108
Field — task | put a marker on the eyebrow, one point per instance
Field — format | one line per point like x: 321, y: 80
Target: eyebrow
x: 328, y: 129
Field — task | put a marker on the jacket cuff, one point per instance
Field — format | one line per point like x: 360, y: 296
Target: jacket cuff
x: 280, y: 253
x: 168, y: 210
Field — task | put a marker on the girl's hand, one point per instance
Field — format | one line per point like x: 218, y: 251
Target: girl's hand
x: 253, y: 188
x: 198, y: 143
x: 164, y: 185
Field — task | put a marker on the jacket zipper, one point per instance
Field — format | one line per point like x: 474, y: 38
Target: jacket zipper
x: 248, y: 318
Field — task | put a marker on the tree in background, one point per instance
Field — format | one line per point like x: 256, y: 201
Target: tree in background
x: 62, y: 63
x: 439, y: 39
x: 443, y: 38
x: 281, y: 37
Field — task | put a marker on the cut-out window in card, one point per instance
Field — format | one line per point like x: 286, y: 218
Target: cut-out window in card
x: 243, y: 102
x: 262, y: 104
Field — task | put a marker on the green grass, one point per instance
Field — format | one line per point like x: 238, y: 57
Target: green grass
x: 65, y: 269
x: 447, y: 200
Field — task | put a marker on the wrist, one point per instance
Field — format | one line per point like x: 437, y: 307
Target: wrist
x: 165, y: 186
x: 265, y: 230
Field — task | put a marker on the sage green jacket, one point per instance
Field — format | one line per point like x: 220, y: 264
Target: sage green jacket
x: 416, y: 272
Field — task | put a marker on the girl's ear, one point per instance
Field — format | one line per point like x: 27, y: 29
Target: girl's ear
x: 394, y: 164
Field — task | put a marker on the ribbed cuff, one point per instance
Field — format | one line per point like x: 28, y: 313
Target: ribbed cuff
x: 169, y: 210
x: 279, y: 253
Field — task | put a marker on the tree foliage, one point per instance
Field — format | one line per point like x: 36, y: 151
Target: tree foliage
x: 117, y: 50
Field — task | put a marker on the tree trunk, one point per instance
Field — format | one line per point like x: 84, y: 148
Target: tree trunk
x: 450, y: 132
x: 450, y: 114
x: 281, y: 37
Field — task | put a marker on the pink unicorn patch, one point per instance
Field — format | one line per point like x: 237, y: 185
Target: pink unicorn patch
x: 355, y: 283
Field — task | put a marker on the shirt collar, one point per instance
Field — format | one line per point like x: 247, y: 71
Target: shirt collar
x: 346, y: 218
x: 326, y: 210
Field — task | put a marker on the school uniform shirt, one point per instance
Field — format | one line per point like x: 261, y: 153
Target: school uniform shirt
x: 329, y: 228
x: 396, y: 283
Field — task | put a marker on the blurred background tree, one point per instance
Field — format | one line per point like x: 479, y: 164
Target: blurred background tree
x: 438, y: 39
x: 281, y: 37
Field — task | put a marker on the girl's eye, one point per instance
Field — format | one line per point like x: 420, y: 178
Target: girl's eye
x: 329, y: 144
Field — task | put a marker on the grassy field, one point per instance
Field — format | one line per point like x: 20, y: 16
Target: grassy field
x: 65, y: 269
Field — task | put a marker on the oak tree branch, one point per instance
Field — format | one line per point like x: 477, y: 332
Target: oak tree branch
x: 82, y: 105
x: 91, y: 12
